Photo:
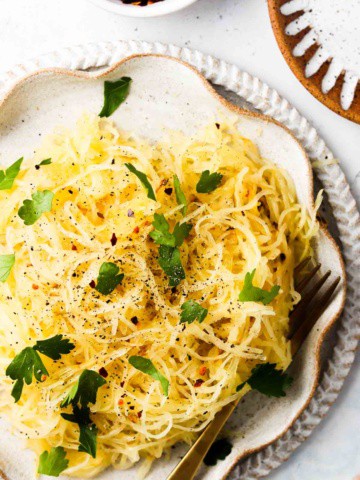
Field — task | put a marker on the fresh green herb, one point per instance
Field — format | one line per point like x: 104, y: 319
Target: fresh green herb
x: 249, y: 293
x: 143, y: 179
x: 146, y: 366
x: 8, y: 176
x: 180, y: 196
x: 191, y: 311
x: 170, y: 261
x: 219, y: 450
x: 162, y: 236
x: 28, y: 362
x: 85, y: 389
x: 24, y: 366
x: 108, y: 278
x: 268, y: 380
x: 32, y: 210
x: 47, y: 161
x: 181, y: 232
x: 54, y: 462
x: 115, y: 94
x: 54, y: 347
x: 88, y: 430
x: 6, y: 264
x: 208, y: 182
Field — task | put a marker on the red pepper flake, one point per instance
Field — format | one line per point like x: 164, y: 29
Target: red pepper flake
x: 136, y: 230
x: 113, y: 240
x: 139, y: 414
x: 130, y: 213
x: 103, y: 372
x: 73, y: 247
x: 202, y: 370
x: 35, y: 287
x: 100, y: 215
x: 92, y: 284
x: 43, y: 378
x: 121, y: 402
x: 198, y: 382
x: 122, y: 384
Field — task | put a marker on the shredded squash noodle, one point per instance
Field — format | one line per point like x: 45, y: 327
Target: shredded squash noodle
x: 101, y: 213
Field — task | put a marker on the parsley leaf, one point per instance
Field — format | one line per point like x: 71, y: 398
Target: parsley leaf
x: 8, y: 176
x: 85, y: 389
x: 54, y: 347
x: 180, y: 196
x: 54, y: 462
x: 146, y: 366
x: 28, y: 363
x: 249, y: 293
x: 181, y: 232
x: 191, y: 311
x: 32, y: 210
x: 108, y: 278
x: 47, y: 161
x: 266, y: 379
x: 88, y: 430
x: 219, y: 450
x: 143, y: 179
x: 170, y: 261
x: 115, y: 94
x: 208, y: 182
x: 162, y: 236
x: 6, y: 264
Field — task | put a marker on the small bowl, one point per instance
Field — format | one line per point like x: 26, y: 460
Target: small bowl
x: 155, y: 10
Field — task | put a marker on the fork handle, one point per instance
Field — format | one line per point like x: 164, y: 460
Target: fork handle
x: 190, y: 464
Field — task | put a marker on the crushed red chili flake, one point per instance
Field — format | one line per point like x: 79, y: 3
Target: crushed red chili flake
x: 136, y: 230
x: 92, y: 284
x: 35, y: 287
x: 113, y: 240
x: 198, y: 382
x: 121, y: 402
x: 100, y: 215
x: 130, y: 213
x: 43, y: 378
x: 202, y: 370
x: 103, y: 372
x: 140, y: 3
x: 122, y: 384
x: 73, y: 247
x: 139, y: 414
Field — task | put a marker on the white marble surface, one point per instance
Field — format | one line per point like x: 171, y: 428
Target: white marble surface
x: 238, y: 31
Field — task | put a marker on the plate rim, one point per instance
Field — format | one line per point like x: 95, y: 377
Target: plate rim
x: 201, y: 59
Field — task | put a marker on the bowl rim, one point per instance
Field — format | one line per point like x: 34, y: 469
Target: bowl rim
x: 155, y: 10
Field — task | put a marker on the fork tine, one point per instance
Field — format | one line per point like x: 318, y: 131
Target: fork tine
x: 301, y: 265
x: 304, y: 282
x: 312, y: 316
x: 297, y: 314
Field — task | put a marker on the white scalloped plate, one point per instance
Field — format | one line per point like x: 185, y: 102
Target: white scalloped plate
x: 167, y: 93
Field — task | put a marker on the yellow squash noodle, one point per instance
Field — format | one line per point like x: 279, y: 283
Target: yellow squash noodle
x: 101, y: 213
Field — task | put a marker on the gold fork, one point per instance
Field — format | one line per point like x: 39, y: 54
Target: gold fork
x: 302, y: 320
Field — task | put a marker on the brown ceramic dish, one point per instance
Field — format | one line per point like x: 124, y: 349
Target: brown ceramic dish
x: 334, y: 98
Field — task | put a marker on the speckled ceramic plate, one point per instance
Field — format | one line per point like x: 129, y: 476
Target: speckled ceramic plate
x: 258, y: 421
x: 320, y: 40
